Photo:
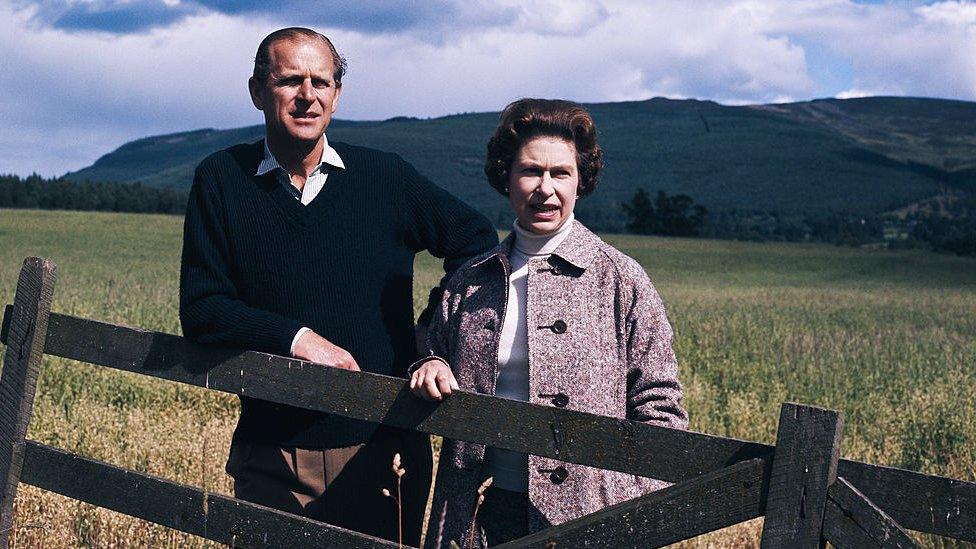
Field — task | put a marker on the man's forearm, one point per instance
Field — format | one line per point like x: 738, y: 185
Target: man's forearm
x: 221, y: 320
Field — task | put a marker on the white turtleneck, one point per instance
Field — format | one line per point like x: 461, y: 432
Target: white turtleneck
x: 510, y: 469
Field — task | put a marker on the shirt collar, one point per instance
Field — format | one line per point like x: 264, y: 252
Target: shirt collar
x: 329, y: 157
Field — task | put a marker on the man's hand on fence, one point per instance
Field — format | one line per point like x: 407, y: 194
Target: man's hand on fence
x: 433, y: 380
x: 315, y: 348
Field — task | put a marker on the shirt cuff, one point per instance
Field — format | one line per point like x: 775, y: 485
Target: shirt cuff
x: 295, y: 339
x: 413, y: 367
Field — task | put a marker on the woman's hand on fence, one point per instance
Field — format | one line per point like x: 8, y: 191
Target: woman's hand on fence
x: 315, y: 348
x: 433, y: 380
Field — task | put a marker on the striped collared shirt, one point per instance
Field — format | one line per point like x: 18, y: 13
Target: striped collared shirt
x: 316, y: 180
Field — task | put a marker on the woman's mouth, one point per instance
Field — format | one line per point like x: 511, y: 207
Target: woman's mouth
x: 544, y: 211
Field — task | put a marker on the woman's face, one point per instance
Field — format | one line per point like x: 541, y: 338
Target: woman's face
x: 542, y: 184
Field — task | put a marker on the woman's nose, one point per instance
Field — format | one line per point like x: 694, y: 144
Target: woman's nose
x: 546, y: 186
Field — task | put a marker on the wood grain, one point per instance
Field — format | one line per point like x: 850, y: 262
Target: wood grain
x: 804, y: 466
x: 853, y: 521
x: 212, y: 516
x: 26, y: 330
x: 694, y: 507
x: 599, y: 441
x: 918, y: 501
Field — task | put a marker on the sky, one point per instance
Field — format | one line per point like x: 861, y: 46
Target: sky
x: 81, y: 77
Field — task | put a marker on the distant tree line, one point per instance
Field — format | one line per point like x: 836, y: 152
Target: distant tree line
x: 676, y: 215
x: 953, y: 230
x: 832, y: 227
x: 36, y: 192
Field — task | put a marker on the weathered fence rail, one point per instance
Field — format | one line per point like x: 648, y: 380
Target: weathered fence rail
x: 806, y: 492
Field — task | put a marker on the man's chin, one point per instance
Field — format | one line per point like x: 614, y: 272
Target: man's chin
x: 304, y: 136
x: 308, y: 133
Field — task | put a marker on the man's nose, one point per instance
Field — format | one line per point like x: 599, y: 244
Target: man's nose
x: 306, y: 91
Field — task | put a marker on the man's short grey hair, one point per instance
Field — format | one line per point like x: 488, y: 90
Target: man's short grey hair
x: 262, y: 60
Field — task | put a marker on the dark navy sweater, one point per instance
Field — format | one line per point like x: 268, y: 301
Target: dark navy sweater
x: 258, y: 265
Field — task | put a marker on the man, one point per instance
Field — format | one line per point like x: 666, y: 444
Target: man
x: 302, y: 246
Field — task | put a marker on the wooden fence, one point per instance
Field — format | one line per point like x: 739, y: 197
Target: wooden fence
x: 807, y: 494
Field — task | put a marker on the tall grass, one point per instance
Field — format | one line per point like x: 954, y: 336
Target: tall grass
x: 887, y: 337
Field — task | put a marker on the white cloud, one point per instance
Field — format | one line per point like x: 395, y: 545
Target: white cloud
x: 569, y: 17
x: 953, y: 13
x: 854, y: 93
x: 634, y: 54
x: 99, y: 90
x: 892, y: 49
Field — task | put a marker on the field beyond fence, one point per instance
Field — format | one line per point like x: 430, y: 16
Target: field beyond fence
x: 887, y: 337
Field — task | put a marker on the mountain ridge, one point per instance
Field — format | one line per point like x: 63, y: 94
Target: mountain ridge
x: 864, y: 155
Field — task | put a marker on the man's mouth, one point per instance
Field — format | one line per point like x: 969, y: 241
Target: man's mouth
x: 304, y: 115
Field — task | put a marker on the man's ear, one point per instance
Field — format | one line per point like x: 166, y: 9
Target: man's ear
x: 255, y: 87
x: 335, y: 99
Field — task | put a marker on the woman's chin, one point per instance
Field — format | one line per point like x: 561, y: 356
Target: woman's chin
x: 541, y: 226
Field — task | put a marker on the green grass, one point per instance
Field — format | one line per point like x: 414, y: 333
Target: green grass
x: 887, y: 337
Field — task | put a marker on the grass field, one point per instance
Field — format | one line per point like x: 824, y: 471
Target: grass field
x: 887, y: 337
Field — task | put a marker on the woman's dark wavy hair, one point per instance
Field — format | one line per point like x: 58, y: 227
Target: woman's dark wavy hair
x: 528, y: 118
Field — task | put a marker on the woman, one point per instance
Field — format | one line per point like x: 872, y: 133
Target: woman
x: 553, y: 316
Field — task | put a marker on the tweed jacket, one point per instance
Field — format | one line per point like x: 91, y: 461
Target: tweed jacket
x: 598, y: 341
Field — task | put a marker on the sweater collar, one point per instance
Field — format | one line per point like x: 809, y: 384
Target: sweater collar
x: 579, y: 248
x: 528, y: 243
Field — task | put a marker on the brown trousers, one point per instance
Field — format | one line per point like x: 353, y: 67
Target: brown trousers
x: 503, y: 517
x: 340, y: 486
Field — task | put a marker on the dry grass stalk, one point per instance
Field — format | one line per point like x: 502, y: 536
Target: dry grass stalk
x: 399, y: 472
x: 474, y: 516
x: 440, y: 526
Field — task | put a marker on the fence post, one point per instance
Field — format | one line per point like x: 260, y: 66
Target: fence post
x: 804, y: 466
x: 26, y: 330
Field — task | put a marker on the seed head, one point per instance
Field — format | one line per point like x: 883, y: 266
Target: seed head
x: 484, y: 485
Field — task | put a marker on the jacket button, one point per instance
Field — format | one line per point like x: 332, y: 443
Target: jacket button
x: 560, y: 400
x: 559, y: 327
x: 558, y: 475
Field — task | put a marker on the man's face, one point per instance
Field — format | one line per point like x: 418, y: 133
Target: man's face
x: 300, y: 95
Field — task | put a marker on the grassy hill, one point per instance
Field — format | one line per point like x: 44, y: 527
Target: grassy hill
x: 858, y: 155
